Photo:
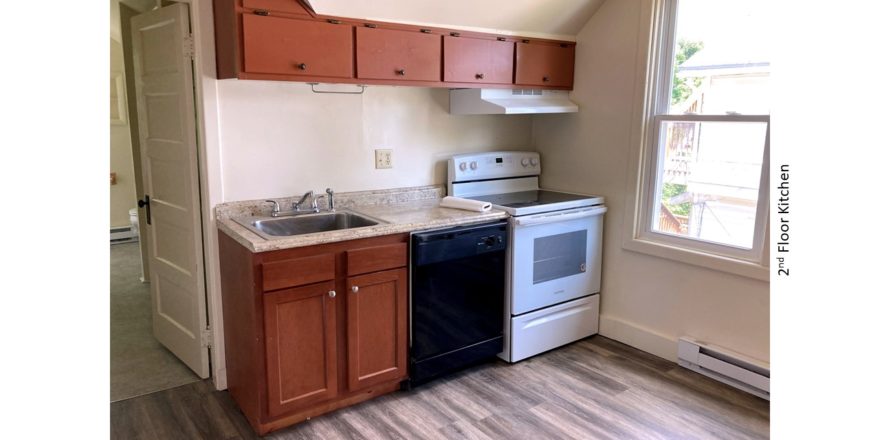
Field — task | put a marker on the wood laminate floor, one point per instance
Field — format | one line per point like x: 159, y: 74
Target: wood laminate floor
x: 592, y: 389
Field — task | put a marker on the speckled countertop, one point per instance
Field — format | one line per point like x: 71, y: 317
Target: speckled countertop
x: 402, y: 210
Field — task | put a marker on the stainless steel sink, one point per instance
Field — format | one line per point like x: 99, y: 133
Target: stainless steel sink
x: 280, y: 227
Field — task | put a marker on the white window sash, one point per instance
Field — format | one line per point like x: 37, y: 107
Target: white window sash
x: 692, y: 250
x: 653, y: 181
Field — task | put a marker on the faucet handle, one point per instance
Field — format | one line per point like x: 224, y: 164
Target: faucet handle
x: 276, y: 207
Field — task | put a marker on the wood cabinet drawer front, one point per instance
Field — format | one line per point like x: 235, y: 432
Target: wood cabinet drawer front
x: 298, y: 271
x: 286, y: 6
x: 397, y: 55
x: 544, y: 65
x: 375, y: 258
x: 477, y: 60
x: 297, y: 47
x: 301, y: 349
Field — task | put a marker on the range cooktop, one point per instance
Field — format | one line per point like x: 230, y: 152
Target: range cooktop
x: 537, y: 201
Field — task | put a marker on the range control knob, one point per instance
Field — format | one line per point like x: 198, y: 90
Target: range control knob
x: 534, y: 161
x: 525, y: 162
x: 462, y: 166
x: 473, y: 165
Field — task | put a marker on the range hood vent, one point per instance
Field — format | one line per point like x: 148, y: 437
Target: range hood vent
x: 509, y: 101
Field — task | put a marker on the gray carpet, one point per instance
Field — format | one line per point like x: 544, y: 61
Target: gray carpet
x: 139, y: 364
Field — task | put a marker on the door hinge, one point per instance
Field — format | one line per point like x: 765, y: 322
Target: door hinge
x: 208, y: 338
x: 189, y: 46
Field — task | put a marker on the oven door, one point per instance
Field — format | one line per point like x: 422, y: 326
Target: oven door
x: 555, y: 257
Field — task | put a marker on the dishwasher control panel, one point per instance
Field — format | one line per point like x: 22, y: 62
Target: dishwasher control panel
x: 489, y: 243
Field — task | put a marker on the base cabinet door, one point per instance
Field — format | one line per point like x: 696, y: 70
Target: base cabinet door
x: 376, y: 322
x: 300, y: 329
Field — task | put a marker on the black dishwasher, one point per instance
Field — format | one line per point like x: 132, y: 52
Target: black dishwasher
x: 457, y: 298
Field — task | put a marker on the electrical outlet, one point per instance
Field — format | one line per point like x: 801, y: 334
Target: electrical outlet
x: 383, y: 158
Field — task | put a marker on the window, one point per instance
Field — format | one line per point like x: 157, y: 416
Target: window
x: 706, y: 139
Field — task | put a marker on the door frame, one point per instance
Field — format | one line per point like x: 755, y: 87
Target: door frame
x: 210, y: 183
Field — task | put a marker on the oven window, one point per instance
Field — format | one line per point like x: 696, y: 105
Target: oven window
x: 559, y: 256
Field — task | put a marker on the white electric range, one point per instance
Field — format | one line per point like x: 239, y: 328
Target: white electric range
x: 555, y: 253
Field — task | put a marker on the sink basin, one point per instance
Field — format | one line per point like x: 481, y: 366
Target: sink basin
x: 280, y: 227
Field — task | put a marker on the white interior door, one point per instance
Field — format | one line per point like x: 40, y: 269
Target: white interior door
x: 167, y: 117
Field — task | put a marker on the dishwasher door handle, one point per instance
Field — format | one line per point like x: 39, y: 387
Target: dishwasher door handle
x: 560, y: 216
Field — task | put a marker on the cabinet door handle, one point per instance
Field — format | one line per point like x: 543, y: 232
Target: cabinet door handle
x: 332, y: 293
x: 546, y: 79
x: 479, y: 76
x: 355, y: 289
x: 401, y: 72
x: 301, y: 66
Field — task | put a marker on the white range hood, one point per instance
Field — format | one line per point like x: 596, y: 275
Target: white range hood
x: 509, y: 102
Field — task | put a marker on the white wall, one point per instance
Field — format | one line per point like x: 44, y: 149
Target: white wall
x: 647, y: 302
x: 122, y: 195
x: 279, y: 139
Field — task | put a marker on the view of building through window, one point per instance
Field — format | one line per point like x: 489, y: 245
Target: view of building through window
x: 709, y: 171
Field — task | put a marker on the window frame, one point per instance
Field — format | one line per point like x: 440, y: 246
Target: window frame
x: 659, y: 58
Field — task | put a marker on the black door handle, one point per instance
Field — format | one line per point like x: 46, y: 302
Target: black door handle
x: 146, y: 203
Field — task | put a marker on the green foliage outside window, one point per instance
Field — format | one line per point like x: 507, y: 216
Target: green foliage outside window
x: 671, y: 190
x: 682, y: 88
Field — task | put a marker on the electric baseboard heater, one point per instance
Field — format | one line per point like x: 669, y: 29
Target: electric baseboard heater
x: 734, y: 369
x: 122, y: 235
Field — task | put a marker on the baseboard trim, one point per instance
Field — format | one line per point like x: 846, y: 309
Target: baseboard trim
x: 220, y: 379
x: 634, y: 335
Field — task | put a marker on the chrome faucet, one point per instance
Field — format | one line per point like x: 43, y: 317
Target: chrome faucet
x: 306, y: 196
x: 297, y: 207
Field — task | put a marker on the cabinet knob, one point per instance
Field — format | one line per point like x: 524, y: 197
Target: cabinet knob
x: 355, y: 289
x: 546, y: 79
x: 301, y: 66
x: 479, y: 76
x: 401, y: 72
x: 332, y: 293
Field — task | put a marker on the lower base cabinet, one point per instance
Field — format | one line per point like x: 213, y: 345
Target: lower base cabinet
x: 313, y: 329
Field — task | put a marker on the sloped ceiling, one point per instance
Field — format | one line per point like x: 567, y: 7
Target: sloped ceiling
x: 560, y: 19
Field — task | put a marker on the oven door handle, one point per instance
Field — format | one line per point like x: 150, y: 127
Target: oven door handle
x: 560, y: 216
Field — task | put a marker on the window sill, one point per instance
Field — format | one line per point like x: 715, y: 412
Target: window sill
x: 697, y: 258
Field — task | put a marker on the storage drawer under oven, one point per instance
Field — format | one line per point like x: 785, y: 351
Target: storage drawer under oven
x: 545, y: 329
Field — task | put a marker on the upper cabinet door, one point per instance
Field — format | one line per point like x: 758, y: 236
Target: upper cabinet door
x: 286, y: 6
x: 297, y: 47
x: 549, y: 65
x: 397, y: 55
x: 475, y: 60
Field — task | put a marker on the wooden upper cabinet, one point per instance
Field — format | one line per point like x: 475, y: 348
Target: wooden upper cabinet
x: 475, y: 60
x: 549, y: 65
x: 285, y: 6
x: 377, y: 323
x: 389, y: 54
x: 300, y: 329
x: 297, y: 47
